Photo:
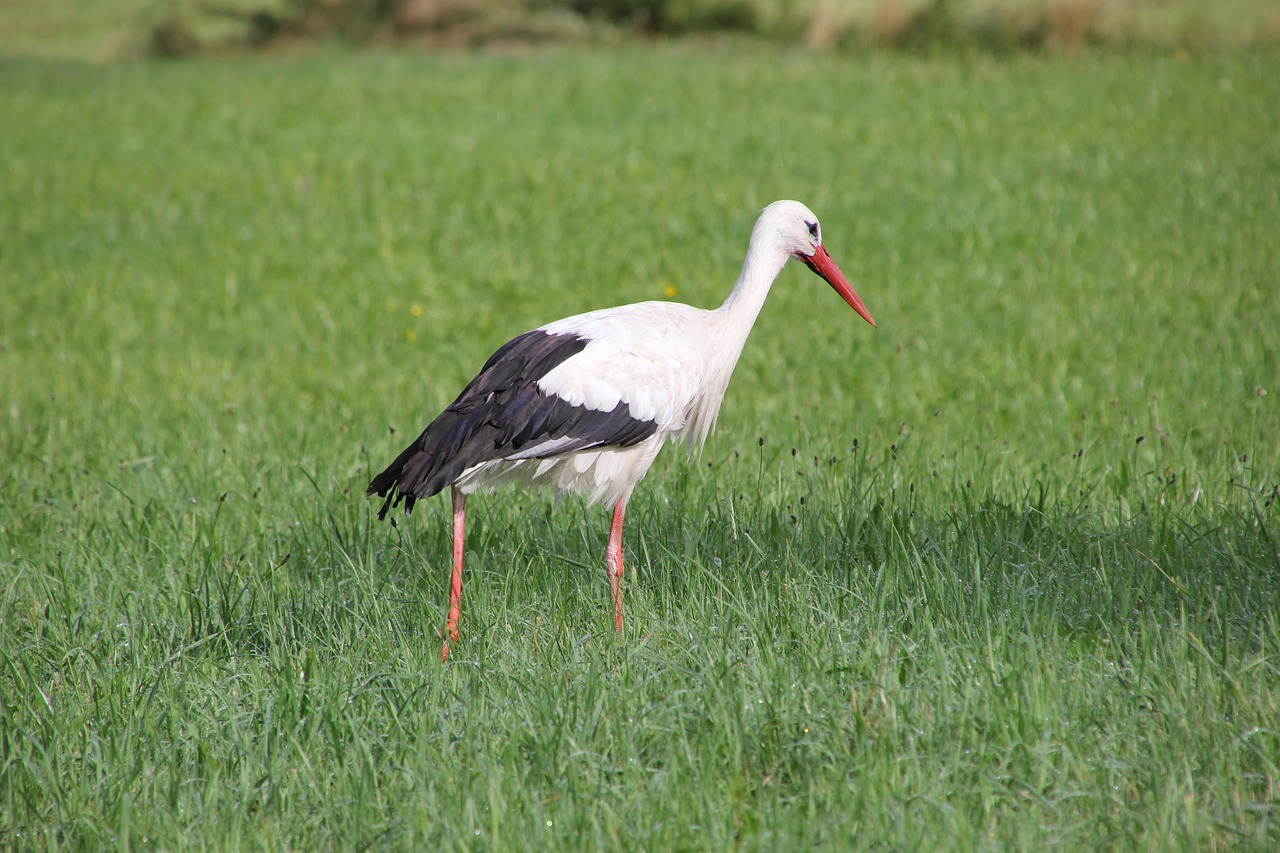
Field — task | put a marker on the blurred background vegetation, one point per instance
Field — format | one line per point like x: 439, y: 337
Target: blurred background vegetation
x: 108, y: 28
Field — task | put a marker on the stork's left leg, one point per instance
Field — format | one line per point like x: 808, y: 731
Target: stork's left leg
x: 455, y: 580
x: 613, y: 559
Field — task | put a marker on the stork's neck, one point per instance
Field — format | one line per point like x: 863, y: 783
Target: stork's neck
x: 738, y: 313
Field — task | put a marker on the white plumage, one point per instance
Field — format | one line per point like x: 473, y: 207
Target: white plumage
x: 584, y: 404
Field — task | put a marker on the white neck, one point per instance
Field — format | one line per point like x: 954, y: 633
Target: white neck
x: 741, y: 308
x: 731, y: 324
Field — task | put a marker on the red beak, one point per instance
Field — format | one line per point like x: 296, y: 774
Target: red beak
x: 821, y: 263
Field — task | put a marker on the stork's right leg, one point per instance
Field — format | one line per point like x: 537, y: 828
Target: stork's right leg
x: 613, y: 560
x: 455, y: 580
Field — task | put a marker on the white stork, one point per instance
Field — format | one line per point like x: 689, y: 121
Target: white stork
x: 584, y: 404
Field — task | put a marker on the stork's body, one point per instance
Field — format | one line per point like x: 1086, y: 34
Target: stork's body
x: 584, y: 404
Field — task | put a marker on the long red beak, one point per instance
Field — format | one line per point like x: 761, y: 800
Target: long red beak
x: 821, y: 263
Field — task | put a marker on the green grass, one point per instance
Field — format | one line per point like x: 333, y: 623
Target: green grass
x: 949, y: 601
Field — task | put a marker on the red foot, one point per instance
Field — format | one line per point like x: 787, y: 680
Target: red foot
x: 452, y: 634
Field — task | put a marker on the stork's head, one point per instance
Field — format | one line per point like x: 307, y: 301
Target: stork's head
x: 795, y: 229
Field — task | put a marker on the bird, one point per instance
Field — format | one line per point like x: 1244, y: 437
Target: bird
x: 584, y: 404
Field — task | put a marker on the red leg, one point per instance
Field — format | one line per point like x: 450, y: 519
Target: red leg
x: 613, y: 560
x: 455, y: 581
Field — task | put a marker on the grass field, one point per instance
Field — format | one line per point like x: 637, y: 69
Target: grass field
x: 1001, y: 573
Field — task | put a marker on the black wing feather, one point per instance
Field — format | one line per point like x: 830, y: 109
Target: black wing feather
x: 499, y: 413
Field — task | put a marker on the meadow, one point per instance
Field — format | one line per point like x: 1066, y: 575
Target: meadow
x: 1001, y: 573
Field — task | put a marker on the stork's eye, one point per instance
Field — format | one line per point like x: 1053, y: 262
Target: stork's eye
x: 813, y: 229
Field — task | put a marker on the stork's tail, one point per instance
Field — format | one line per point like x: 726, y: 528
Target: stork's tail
x: 388, y: 484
